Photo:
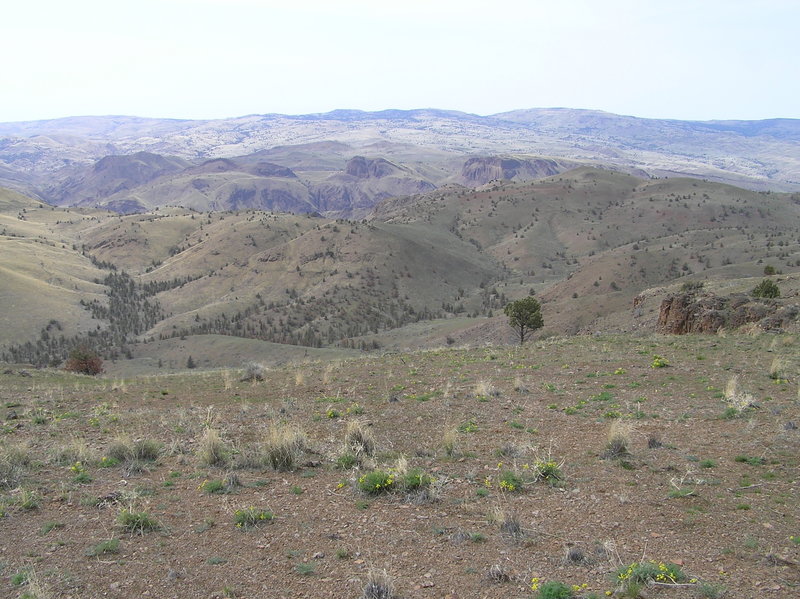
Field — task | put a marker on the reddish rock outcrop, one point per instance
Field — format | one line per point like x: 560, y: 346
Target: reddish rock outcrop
x: 687, y: 313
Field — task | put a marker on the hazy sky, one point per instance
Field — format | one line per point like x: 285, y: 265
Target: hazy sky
x: 685, y: 59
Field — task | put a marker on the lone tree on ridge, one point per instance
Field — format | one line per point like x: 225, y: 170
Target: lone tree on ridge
x: 524, y: 316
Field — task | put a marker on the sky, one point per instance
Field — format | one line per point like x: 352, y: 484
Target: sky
x: 204, y: 59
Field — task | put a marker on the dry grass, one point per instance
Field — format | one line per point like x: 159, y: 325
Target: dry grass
x: 486, y: 389
x: 14, y: 462
x: 735, y: 397
x: 74, y: 450
x: 359, y: 439
x: 450, y: 441
x: 781, y: 368
x: 284, y: 446
x: 619, y: 439
x: 379, y: 585
x: 299, y: 378
x: 212, y: 450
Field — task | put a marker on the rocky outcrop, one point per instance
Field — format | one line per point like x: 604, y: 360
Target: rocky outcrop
x: 688, y: 313
x: 482, y: 169
x: 362, y: 168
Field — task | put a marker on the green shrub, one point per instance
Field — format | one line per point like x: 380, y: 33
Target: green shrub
x: 766, y: 289
x: 416, y: 478
x: 376, y: 482
x: 250, y: 517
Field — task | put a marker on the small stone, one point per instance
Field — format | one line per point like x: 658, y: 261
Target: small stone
x: 318, y: 555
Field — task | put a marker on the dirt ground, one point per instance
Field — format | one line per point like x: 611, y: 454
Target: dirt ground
x: 709, y: 481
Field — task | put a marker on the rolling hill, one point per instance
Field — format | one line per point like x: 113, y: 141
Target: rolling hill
x: 420, y: 270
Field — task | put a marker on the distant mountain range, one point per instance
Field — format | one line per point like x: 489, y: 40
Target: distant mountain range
x: 342, y: 163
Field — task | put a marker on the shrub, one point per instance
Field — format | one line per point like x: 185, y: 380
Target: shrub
x: 416, y: 479
x: 659, y: 362
x: 766, y: 289
x: 83, y: 360
x: 124, y: 450
x: 554, y: 589
x: 376, y: 482
x: 631, y: 578
x: 253, y: 371
x: 510, y: 481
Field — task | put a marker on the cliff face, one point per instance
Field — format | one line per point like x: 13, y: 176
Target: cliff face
x: 482, y: 169
x: 686, y: 313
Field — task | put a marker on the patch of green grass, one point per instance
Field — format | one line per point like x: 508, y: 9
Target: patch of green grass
x: 468, y: 426
x: 707, y: 464
x: 103, y: 548
x: 251, y: 516
x: 50, y: 526
x: 751, y: 460
x: 136, y: 522
x: 306, y: 569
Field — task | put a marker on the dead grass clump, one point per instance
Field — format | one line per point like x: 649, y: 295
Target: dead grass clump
x: 124, y: 450
x: 379, y: 585
x: 498, y: 574
x: 450, y: 441
x: 510, y: 526
x: 249, y: 457
x: 36, y: 587
x: 520, y: 386
x: 359, y: 439
x: 15, y: 459
x: 75, y: 450
x: 211, y: 449
x: 619, y: 439
x: 736, y: 398
x: 299, y: 378
x: 284, y: 446
x: 253, y: 371
x: 780, y: 368
x: 485, y: 389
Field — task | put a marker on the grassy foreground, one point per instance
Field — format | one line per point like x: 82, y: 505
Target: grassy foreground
x: 572, y: 467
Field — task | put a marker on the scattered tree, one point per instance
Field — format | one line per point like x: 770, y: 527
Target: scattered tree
x: 524, y: 316
x: 190, y: 363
